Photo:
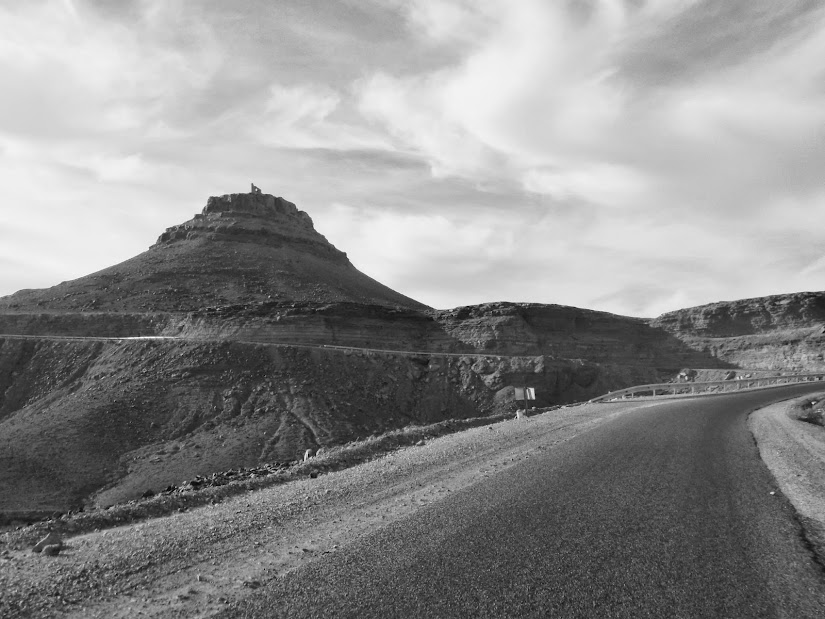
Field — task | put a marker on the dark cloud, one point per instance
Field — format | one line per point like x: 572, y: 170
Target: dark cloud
x: 713, y: 35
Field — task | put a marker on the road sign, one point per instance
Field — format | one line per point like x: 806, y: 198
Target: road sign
x: 530, y: 392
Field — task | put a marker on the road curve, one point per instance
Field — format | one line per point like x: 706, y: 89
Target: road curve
x: 666, y: 511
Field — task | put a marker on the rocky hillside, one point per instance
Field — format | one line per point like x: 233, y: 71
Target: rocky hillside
x: 104, y: 422
x: 267, y: 342
x: 781, y: 332
x: 242, y: 248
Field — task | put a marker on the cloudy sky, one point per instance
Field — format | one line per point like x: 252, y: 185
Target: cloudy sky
x: 633, y: 156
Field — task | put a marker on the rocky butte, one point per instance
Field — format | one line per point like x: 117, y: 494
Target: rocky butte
x: 268, y: 341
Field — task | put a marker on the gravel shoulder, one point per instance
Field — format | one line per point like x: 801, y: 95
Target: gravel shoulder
x: 794, y: 451
x: 192, y: 563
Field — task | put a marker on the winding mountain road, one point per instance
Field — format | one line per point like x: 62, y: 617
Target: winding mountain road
x: 666, y: 511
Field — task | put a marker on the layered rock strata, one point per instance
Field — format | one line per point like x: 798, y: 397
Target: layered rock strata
x: 781, y: 332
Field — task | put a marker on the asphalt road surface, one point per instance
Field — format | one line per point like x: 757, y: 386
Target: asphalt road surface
x: 666, y: 511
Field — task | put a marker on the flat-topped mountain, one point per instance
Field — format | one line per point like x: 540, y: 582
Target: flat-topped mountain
x: 777, y: 332
x: 242, y: 248
x: 748, y: 316
x: 275, y: 343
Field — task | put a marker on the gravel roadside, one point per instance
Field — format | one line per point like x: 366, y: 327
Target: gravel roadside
x: 794, y: 451
x: 192, y: 563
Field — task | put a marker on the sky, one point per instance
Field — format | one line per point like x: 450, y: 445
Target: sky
x: 630, y: 156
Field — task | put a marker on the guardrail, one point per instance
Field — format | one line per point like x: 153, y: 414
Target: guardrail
x: 706, y: 388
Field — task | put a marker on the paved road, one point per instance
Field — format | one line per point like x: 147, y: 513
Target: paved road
x: 664, y: 512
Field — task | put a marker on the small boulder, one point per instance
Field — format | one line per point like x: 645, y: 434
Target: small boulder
x: 52, y: 539
x: 52, y: 550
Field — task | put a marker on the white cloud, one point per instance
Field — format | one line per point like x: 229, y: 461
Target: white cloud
x: 541, y: 96
x: 303, y: 116
x: 119, y: 169
x: 67, y: 70
x: 442, y: 20
x: 468, y: 244
x: 573, y: 148
x: 303, y: 104
x: 411, y: 114
x: 534, y: 92
x: 599, y: 183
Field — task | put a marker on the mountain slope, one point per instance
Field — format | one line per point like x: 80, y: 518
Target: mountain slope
x: 243, y: 248
x: 273, y: 343
x: 779, y: 332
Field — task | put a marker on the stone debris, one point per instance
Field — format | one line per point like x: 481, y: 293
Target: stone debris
x: 222, y: 478
x: 52, y: 539
x: 52, y: 550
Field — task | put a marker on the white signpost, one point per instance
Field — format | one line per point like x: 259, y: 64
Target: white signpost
x: 529, y: 392
x: 525, y: 393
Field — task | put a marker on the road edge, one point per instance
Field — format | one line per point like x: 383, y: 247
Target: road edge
x: 794, y: 452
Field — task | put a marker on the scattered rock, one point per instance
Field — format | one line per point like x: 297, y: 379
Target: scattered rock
x: 52, y: 539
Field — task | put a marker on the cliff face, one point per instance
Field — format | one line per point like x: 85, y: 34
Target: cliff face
x: 257, y: 219
x: 748, y: 316
x: 568, y: 332
x: 781, y: 332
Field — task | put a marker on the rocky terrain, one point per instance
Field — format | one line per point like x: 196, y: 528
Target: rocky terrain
x: 784, y: 332
x: 195, y: 562
x: 241, y: 248
x: 242, y: 338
